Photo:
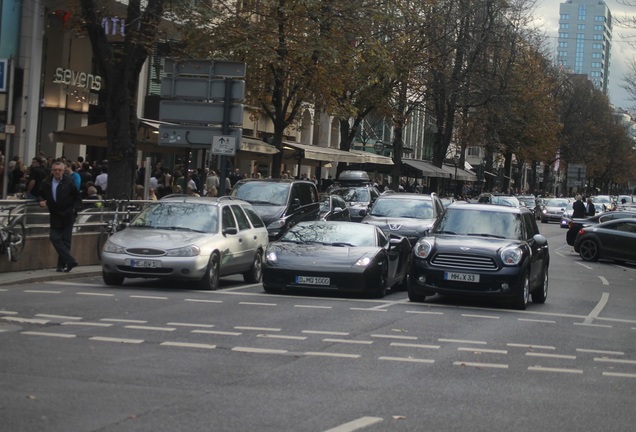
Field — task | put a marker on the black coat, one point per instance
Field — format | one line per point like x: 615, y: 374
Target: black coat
x: 578, y: 210
x: 69, y: 201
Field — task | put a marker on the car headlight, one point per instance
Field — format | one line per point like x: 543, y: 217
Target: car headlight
x: 271, y: 256
x: 363, y: 262
x: 422, y: 248
x: 187, y: 251
x: 111, y: 247
x: 277, y: 224
x: 511, y: 256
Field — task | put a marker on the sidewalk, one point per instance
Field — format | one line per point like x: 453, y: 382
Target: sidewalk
x: 31, y: 276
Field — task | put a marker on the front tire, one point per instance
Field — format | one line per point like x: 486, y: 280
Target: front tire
x: 210, y: 280
x: 18, y: 239
x: 111, y: 279
x: 523, y: 295
x: 380, y: 290
x: 589, y: 250
x: 255, y: 273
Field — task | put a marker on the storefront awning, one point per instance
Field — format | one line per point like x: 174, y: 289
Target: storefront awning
x: 426, y: 169
x: 255, y: 145
x: 372, y: 157
x: 462, y: 175
x: 323, y: 154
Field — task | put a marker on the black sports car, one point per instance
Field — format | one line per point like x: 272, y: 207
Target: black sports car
x: 614, y: 240
x: 480, y: 250
x: 343, y: 256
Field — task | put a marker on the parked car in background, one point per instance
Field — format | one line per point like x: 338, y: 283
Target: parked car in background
x: 358, y: 192
x: 189, y: 238
x: 486, y: 251
x: 528, y: 201
x: 281, y: 203
x: 333, y: 207
x: 606, y: 201
x: 496, y: 199
x: 566, y: 218
x: 577, y: 224
x: 405, y: 214
x: 340, y: 256
x: 553, y: 209
x: 613, y: 240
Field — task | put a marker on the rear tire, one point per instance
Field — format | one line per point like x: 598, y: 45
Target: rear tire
x: 589, y: 250
x: 255, y: 273
x: 210, y: 280
x: 111, y: 279
x: 541, y: 292
x: 18, y: 240
x: 380, y: 291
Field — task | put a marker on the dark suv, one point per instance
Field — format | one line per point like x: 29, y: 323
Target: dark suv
x: 280, y: 203
x: 357, y: 190
x: 482, y: 250
x: 405, y: 214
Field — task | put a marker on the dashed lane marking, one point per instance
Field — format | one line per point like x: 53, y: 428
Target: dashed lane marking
x: 368, y: 309
x: 593, y: 351
x: 217, y: 332
x: 59, y: 335
x: 409, y: 345
x: 462, y: 341
x: 620, y: 361
x: 188, y: 345
x: 620, y: 375
x: 138, y: 327
x: 259, y: 350
x: 536, y: 320
x: 593, y: 325
x: 354, y: 425
x: 116, y: 340
x: 546, y: 355
x: 331, y: 354
x: 425, y: 312
x: 6, y: 312
x: 348, y: 341
x: 324, y: 332
x: 482, y: 351
x: 605, y: 282
x: 556, y: 370
x: 72, y: 318
x: 26, y: 320
x: 149, y: 297
x: 86, y: 323
x: 583, y: 265
x: 480, y: 316
x: 68, y: 283
x: 481, y: 365
x: 42, y: 292
x: 394, y: 336
x: 257, y: 328
x: 313, y: 307
x: 119, y: 320
x: 95, y: 294
x: 178, y: 324
x: 407, y: 359
x: 531, y: 346
x: 270, y: 336
x: 202, y: 301
x: 257, y: 304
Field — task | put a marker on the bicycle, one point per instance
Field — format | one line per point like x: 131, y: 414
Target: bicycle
x: 12, y: 235
x: 114, y: 225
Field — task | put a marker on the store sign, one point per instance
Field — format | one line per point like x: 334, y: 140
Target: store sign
x: 113, y: 26
x: 79, y: 84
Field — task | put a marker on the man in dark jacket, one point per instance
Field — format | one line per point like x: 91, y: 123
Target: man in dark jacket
x: 62, y: 198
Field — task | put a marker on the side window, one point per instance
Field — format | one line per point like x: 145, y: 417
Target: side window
x: 228, y: 219
x: 295, y: 193
x: 382, y: 239
x: 256, y: 220
x: 626, y: 226
x: 529, y: 223
x: 374, y: 194
x: 243, y: 223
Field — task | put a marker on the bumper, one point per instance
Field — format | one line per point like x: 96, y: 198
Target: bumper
x: 173, y: 268
x: 352, y: 280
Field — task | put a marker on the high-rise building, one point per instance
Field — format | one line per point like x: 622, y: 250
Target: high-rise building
x: 585, y: 40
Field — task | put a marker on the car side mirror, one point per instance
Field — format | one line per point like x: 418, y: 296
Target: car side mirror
x: 363, y: 212
x: 540, y: 240
x: 230, y: 230
x: 338, y: 210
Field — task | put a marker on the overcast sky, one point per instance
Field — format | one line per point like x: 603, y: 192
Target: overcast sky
x: 547, y: 13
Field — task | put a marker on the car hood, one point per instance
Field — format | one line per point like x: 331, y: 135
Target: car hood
x: 467, y: 244
x: 319, y: 255
x: 268, y: 213
x: 158, y: 238
x: 554, y: 209
x: 391, y: 224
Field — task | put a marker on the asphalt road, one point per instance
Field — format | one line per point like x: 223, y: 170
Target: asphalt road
x: 77, y: 355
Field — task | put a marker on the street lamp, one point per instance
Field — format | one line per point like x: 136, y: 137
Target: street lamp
x: 378, y: 146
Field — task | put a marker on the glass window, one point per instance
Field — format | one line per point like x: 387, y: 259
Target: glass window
x: 228, y: 219
x: 179, y: 216
x: 256, y: 220
x: 460, y: 220
x: 243, y: 223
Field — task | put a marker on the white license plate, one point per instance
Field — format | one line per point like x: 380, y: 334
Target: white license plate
x: 144, y: 263
x: 461, y: 277
x: 312, y: 280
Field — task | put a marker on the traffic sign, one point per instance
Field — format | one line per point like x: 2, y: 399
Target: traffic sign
x: 203, y: 113
x: 196, y: 137
x: 224, y: 145
x: 7, y: 128
x: 191, y: 88
x: 218, y: 68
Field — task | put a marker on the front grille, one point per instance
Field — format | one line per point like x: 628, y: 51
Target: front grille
x: 142, y: 270
x: 465, y: 262
x: 146, y: 252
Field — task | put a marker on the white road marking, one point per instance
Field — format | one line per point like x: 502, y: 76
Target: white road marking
x: 241, y: 287
x: 530, y: 346
x: 138, y: 327
x: 58, y: 317
x: 321, y: 332
x: 6, y: 312
x: 480, y: 316
x: 330, y: 354
x: 313, y: 307
x: 354, y: 425
x: 282, y: 337
x: 95, y: 294
x: 593, y: 351
x: 60, y: 335
x: 583, y: 265
x: 593, y: 325
x: 123, y: 320
x: 558, y: 370
x: 42, y: 292
x: 407, y: 359
x: 257, y: 304
x: 620, y: 375
x: 348, y: 341
x: 481, y: 365
x: 4, y: 290
x: 462, y: 341
x: 68, y: 283
x: 217, y: 332
x: 26, y: 320
x: 480, y: 351
x: 425, y: 312
x: 605, y: 282
x: 259, y: 350
x: 536, y: 320
x: 149, y: 297
x: 257, y: 328
x: 86, y: 323
x: 117, y: 340
x: 177, y: 324
x: 408, y: 345
x: 202, y: 301
x: 188, y: 345
x: 394, y: 337
x: 560, y: 254
x: 608, y: 360
x: 546, y: 355
x: 368, y: 309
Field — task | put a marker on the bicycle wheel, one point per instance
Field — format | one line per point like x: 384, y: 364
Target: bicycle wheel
x: 17, y: 239
x: 102, y: 236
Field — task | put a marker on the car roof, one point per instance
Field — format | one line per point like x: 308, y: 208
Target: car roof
x: 199, y: 200
x: 488, y: 207
x: 405, y: 195
x: 273, y: 180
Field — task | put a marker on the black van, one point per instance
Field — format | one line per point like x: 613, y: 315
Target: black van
x: 280, y: 203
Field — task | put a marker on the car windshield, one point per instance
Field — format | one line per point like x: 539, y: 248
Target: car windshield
x: 352, y: 194
x: 556, y: 203
x: 350, y: 234
x: 179, y: 216
x: 601, y: 199
x: 268, y: 193
x: 402, y: 208
x: 528, y: 202
x: 505, y: 201
x: 464, y: 221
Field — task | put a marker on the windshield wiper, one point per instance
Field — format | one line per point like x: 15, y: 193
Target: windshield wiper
x: 175, y: 228
x: 343, y: 244
x: 486, y: 235
x: 262, y: 202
